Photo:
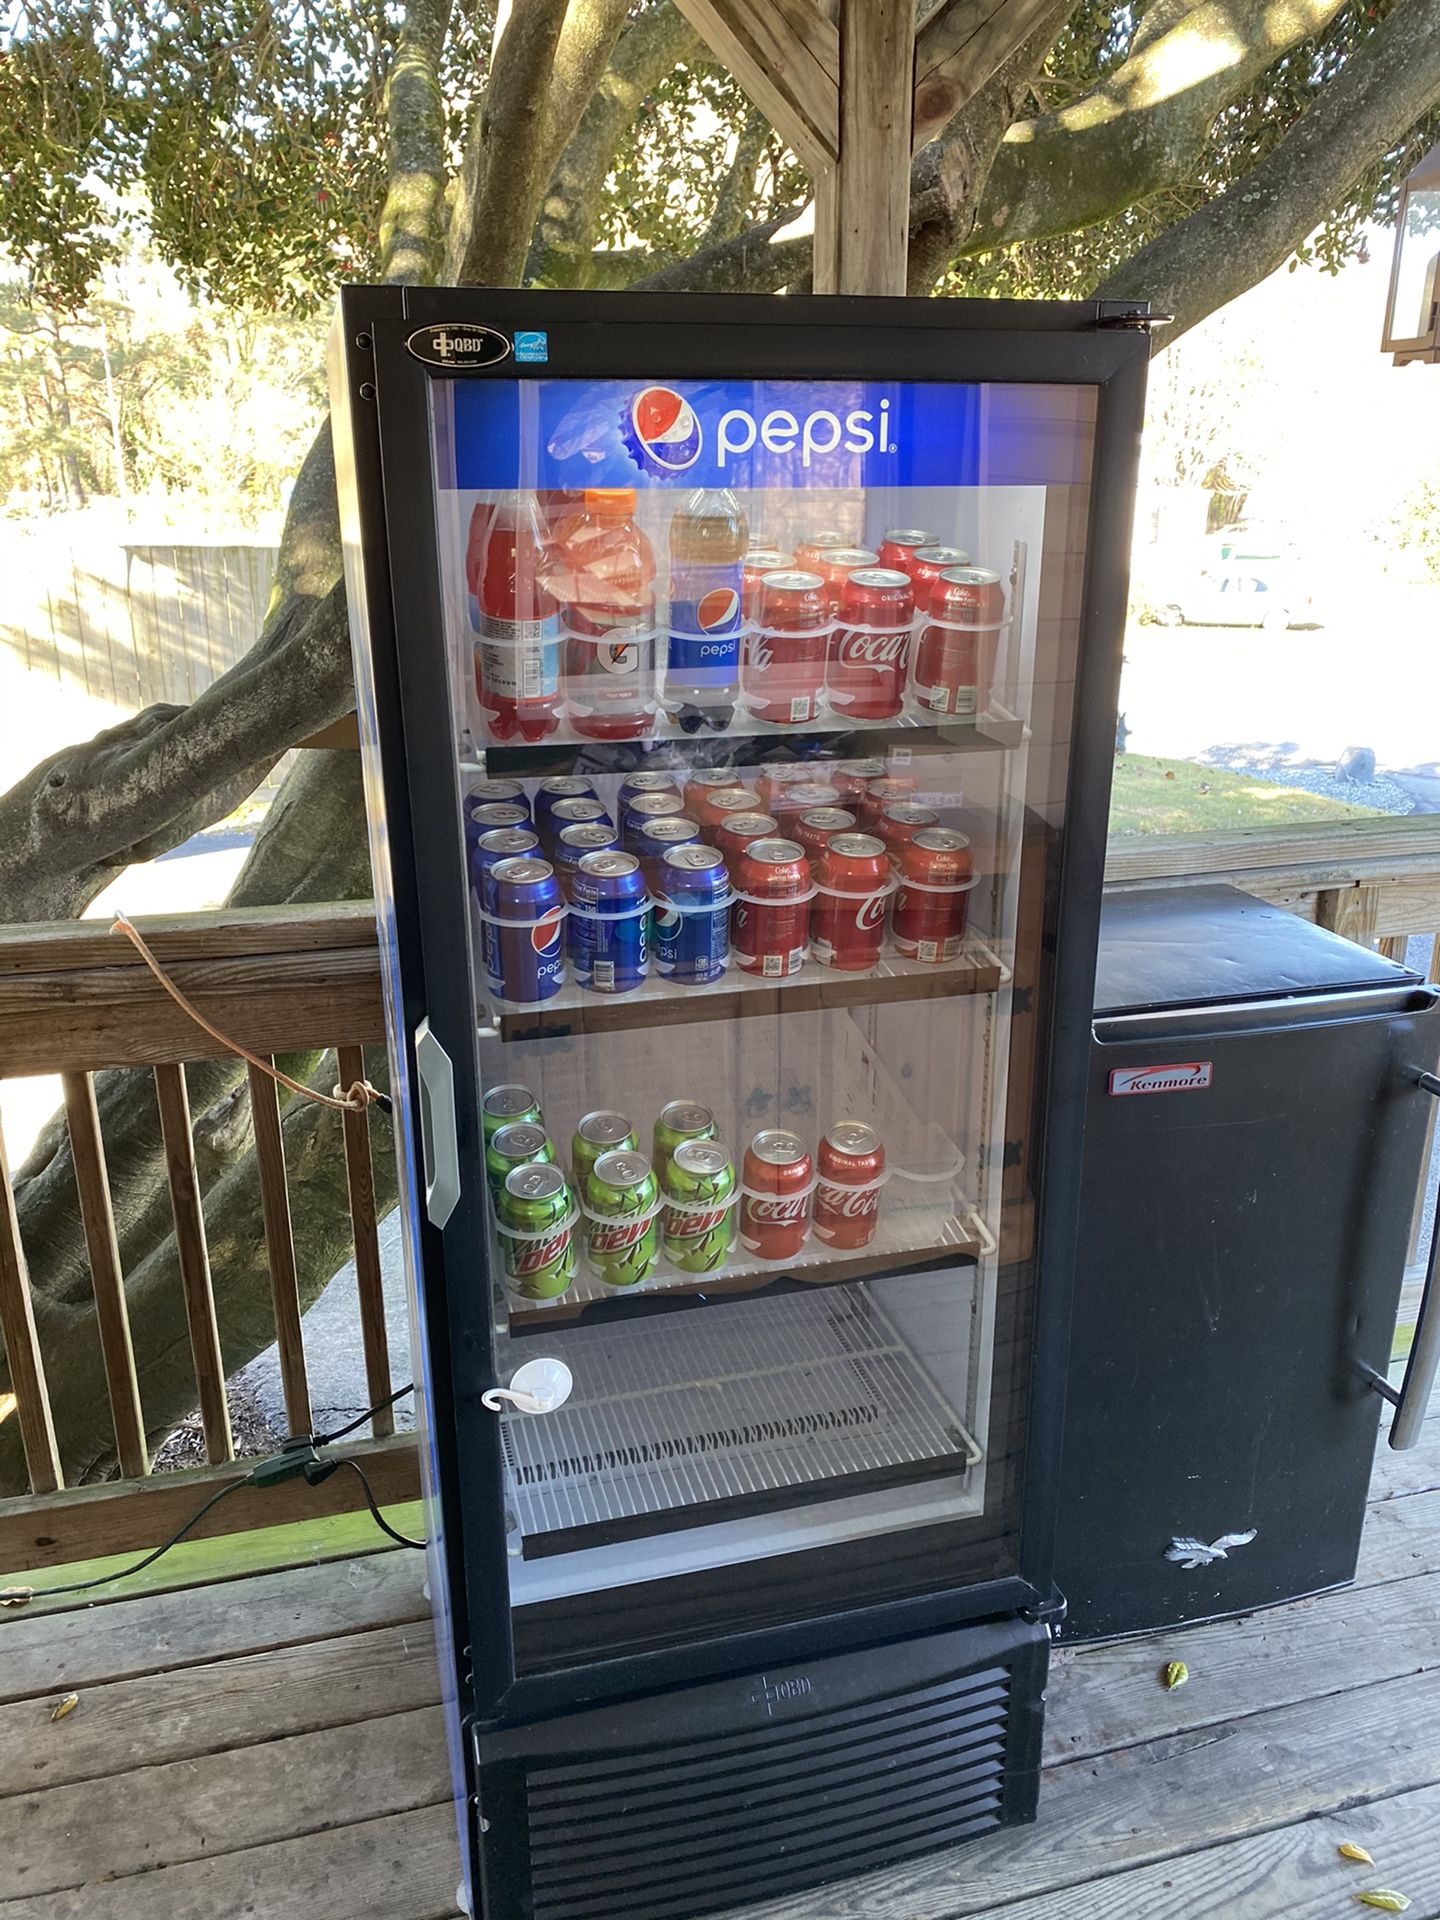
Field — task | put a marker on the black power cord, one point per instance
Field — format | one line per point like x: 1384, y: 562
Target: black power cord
x: 298, y: 1457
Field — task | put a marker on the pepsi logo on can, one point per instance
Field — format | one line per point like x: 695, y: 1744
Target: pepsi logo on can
x: 524, y: 897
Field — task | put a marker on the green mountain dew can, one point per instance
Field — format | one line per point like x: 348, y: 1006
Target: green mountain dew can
x: 518, y: 1145
x: 697, y: 1236
x: 597, y: 1133
x: 505, y: 1107
x: 681, y: 1120
x: 535, y: 1215
x: 622, y: 1236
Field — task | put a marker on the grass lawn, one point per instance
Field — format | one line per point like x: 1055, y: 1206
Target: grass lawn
x: 1176, y: 796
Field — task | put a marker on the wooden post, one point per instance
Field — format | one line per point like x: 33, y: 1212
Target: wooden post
x: 1352, y: 911
x: 862, y: 204
x: 194, y: 1260
x: 22, y: 1348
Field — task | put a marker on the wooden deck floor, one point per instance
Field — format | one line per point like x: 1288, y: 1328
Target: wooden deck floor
x: 271, y: 1748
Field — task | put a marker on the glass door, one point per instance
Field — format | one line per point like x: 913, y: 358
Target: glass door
x: 762, y: 696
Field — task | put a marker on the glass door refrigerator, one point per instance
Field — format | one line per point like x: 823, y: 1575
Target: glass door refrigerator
x: 737, y: 689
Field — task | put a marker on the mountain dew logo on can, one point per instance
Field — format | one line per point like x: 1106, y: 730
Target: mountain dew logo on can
x: 535, y: 1216
x: 697, y: 1236
x: 622, y: 1240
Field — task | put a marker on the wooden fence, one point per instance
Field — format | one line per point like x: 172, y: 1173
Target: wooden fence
x: 126, y: 622
x: 75, y: 998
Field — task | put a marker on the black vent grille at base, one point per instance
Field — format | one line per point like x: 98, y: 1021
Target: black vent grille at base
x: 689, y: 1826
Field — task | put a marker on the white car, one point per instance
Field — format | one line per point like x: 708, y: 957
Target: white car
x: 1242, y: 598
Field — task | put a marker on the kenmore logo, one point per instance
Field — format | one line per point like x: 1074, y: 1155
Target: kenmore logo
x: 1187, y: 1076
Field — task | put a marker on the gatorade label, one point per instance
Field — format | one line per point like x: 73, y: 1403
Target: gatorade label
x: 705, y: 621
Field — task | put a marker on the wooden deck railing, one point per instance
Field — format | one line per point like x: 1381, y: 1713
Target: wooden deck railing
x: 75, y: 998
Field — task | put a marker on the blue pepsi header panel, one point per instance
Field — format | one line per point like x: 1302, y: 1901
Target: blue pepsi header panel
x: 497, y: 434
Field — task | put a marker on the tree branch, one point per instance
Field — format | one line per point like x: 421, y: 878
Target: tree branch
x: 561, y: 251
x: 1386, y: 86
x: 1144, y: 127
x: 737, y: 189
x: 960, y: 48
x: 753, y: 262
x: 412, y: 221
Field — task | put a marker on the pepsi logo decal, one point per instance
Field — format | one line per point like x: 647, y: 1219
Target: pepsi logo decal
x: 1185, y: 1076
x: 664, y: 432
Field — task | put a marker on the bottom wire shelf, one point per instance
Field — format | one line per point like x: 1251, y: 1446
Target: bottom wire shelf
x: 683, y: 1422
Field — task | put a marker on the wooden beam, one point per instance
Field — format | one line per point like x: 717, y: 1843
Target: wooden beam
x: 107, y: 1280
x: 369, y: 1279
x: 22, y: 1347
x: 961, y: 46
x: 786, y: 55
x: 280, y: 1247
x: 194, y: 1257
x: 877, y: 68
x: 1353, y: 911
x: 1317, y: 850
x: 90, y: 1523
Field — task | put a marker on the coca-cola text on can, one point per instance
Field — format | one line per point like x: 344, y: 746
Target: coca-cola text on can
x: 959, y: 638
x: 850, y: 1169
x: 933, y: 896
x: 770, y: 921
x: 870, y: 651
x: 847, y: 920
x: 786, y: 670
x: 777, y: 1178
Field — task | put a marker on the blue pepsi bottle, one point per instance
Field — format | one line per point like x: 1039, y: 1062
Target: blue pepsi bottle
x: 709, y: 537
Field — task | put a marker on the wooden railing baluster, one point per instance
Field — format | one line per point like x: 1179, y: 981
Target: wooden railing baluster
x: 280, y: 1248
x: 194, y: 1260
x: 360, y: 1178
x: 22, y: 1348
x: 107, y: 1282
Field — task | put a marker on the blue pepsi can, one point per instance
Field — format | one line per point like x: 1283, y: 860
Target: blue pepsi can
x: 570, y: 849
x: 573, y: 813
x: 634, y: 784
x: 501, y: 843
x: 491, y: 793
x: 525, y: 900
x: 692, y: 916
x: 488, y: 816
x: 609, y: 937
x: 560, y: 786
x: 642, y: 812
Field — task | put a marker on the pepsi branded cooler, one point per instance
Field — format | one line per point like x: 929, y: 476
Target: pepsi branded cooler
x: 741, y: 1177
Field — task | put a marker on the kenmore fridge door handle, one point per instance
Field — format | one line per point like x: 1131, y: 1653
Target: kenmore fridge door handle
x: 1413, y: 1400
x: 439, y: 1148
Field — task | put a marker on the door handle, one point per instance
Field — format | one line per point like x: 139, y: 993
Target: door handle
x: 1412, y: 1402
x: 439, y: 1147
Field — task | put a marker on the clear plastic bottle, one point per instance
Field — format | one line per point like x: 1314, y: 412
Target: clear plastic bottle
x: 517, y: 618
x: 605, y: 576
x: 708, y: 540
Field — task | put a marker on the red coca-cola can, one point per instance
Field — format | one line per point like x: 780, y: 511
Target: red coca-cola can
x: 818, y: 825
x: 837, y: 564
x: 812, y: 549
x: 699, y: 787
x: 801, y: 796
x: 932, y: 901
x: 870, y: 652
x: 757, y: 564
x: 890, y: 790
x: 737, y: 830
x: 788, y: 648
x: 775, y: 1180
x: 955, y: 659
x: 901, y: 821
x: 850, y: 1170
x: 926, y: 566
x: 770, y: 921
x: 778, y: 775
x: 899, y: 545
x: 718, y: 807
x: 847, y: 920
x: 852, y: 779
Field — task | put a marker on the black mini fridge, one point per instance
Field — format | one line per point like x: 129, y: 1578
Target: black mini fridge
x: 1259, y: 1098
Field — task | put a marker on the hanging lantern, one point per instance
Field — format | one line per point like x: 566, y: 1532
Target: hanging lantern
x: 1412, y: 315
